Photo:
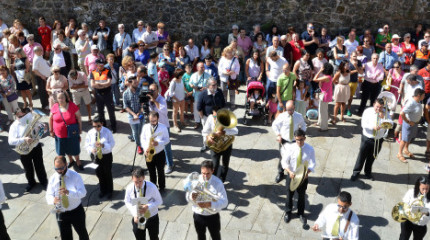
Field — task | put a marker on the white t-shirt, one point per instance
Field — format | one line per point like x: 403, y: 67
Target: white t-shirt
x: 350, y: 46
x: 276, y: 68
x: 177, y: 89
x: 149, y: 38
x: 192, y: 52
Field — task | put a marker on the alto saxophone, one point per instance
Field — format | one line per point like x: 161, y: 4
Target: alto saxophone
x: 151, y: 149
x: 141, y: 219
x: 99, y: 148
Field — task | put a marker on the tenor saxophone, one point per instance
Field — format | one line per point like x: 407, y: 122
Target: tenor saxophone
x: 141, y: 219
x: 151, y: 149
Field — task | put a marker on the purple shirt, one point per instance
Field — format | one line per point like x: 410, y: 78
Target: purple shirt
x: 162, y: 37
x: 245, y: 44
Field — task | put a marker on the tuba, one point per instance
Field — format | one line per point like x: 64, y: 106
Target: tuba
x: 403, y: 211
x: 195, y: 187
x: 34, y: 130
x: 224, y: 119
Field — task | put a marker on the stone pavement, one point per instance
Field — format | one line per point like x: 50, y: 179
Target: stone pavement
x: 256, y: 203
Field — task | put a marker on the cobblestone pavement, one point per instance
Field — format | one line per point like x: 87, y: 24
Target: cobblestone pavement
x: 256, y: 202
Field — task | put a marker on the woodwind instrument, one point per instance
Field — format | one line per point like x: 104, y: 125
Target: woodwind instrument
x: 99, y: 148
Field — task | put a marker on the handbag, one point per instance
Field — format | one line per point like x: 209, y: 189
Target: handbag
x: 12, y: 97
x: 233, y: 84
x: 72, y: 129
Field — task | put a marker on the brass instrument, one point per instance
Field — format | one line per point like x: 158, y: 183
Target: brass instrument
x: 194, y: 186
x: 224, y: 119
x: 34, y: 130
x: 403, y: 211
x: 99, y: 149
x: 385, y: 123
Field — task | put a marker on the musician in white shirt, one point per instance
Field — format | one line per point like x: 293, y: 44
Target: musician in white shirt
x: 33, y: 160
x: 372, y: 130
x: 204, y: 218
x: 339, y: 220
x: 161, y: 138
x: 208, y: 129
x: 101, y: 139
x: 284, y: 133
x: 421, y: 191
x: 297, y: 154
x: 3, y: 230
x: 142, y: 188
x: 69, y: 198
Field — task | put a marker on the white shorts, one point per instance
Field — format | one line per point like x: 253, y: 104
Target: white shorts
x: 85, y: 94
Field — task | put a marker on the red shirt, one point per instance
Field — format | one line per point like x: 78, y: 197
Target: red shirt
x: 296, y: 51
x: 60, y: 128
x: 426, y: 76
x: 408, y: 52
x: 45, y: 34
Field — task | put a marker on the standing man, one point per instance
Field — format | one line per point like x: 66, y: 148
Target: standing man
x: 66, y: 188
x: 296, y: 155
x: 44, y: 32
x: 198, y: 82
x: 382, y: 39
x: 288, y: 49
x: 371, y: 85
x: 61, y: 59
x: 206, y: 102
x: 142, y: 188
x: 284, y: 127
x: 208, y: 129
x: 387, y: 58
x: 101, y: 82
x: 275, y: 47
x: 203, y: 218
x: 351, y: 44
x: 138, y: 32
x: 78, y: 84
x: 192, y: 52
x: 33, y: 160
x: 101, y: 36
x: 284, y: 87
x: 3, y: 230
x: 42, y: 70
x: 274, y: 67
x: 310, y: 40
x: 82, y: 46
x: 150, y: 39
x: 372, y: 132
x: 339, y: 220
x: 158, y: 131
x: 99, y: 144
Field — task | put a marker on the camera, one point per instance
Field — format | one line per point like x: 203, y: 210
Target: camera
x: 143, y: 96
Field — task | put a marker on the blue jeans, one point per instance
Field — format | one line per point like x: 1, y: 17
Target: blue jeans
x: 136, y: 129
x: 168, y: 151
x: 270, y: 88
x: 115, y: 92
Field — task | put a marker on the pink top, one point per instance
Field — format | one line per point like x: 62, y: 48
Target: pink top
x: 373, y: 74
x: 245, y: 44
x: 90, y: 61
x: 60, y: 128
x: 273, y: 106
x: 327, y: 90
x: 29, y: 50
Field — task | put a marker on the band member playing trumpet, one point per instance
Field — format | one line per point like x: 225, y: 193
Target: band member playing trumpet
x: 372, y: 133
x: 34, y: 159
x: 153, y: 138
x: 69, y: 197
x: 420, y: 194
x: 99, y: 144
x: 339, y: 220
x: 208, y: 218
x: 210, y: 133
x: 142, y: 188
x: 296, y: 155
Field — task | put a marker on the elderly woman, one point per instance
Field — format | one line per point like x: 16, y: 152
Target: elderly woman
x: 8, y: 93
x: 297, y: 46
x: 22, y: 69
x: 55, y: 84
x: 234, y: 33
x: 65, y: 126
x: 228, y: 68
x: 324, y: 78
x: 121, y: 41
x: 168, y: 58
x: 141, y: 55
x: 163, y: 37
x: 408, y: 49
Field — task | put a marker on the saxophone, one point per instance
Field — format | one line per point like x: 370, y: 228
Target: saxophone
x: 99, y: 149
x: 58, y: 208
x: 151, y: 149
x: 34, y: 130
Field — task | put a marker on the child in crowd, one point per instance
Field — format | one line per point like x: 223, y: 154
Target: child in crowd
x: 300, y: 102
x: 163, y: 77
x: 189, y: 99
x: 254, y: 98
x: 312, y: 108
x: 152, y: 69
x: 272, y: 107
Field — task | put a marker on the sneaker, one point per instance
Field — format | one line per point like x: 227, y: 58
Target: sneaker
x: 139, y: 150
x: 168, y: 170
x: 177, y: 129
x: 348, y: 113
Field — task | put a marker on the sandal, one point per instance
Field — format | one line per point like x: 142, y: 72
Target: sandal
x: 409, y: 154
x: 402, y: 159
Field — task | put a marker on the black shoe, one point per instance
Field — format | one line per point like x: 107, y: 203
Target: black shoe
x: 101, y: 195
x: 29, y: 187
x: 203, y: 149
x: 354, y: 177
x: 71, y: 164
x: 109, y: 195
x: 44, y: 186
x: 287, y: 217
x: 81, y: 167
x: 113, y: 130
x: 303, y: 219
x: 370, y: 176
x: 279, y: 177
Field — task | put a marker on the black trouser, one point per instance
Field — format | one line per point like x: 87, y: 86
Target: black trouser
x: 32, y: 161
x: 365, y: 155
x: 41, y: 90
x: 75, y: 218
x: 156, y: 166
x: 104, y: 173
x: 221, y: 173
x: 369, y: 91
x: 407, y: 228
x: 212, y: 222
x: 280, y: 168
x: 104, y: 98
x: 3, y: 230
x: 152, y: 225
x: 301, y: 190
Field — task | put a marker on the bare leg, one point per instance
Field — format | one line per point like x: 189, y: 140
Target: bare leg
x: 175, y: 114
x: 89, y: 112
x: 30, y: 98
x: 342, y: 110
x: 336, y: 108
x: 181, y: 112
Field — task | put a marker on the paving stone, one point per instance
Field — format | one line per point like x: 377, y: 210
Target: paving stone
x: 27, y: 223
x: 106, y: 226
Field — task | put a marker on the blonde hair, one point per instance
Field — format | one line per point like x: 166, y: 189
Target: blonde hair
x: 227, y: 49
x: 160, y: 25
x: 126, y: 61
x: 110, y: 55
x: 339, y: 39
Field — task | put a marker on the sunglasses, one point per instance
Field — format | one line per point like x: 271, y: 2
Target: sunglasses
x: 60, y: 168
x: 160, y: 28
x: 56, y: 71
x: 343, y: 207
x: 97, y: 126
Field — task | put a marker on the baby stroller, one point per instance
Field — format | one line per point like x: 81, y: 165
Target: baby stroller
x: 259, y: 109
x: 389, y: 99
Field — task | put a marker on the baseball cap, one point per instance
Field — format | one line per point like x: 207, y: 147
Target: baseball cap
x: 94, y: 47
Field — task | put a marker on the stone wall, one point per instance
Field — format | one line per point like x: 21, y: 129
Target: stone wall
x: 195, y: 18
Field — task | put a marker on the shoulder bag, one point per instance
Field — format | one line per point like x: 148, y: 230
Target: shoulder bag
x: 233, y: 84
x: 72, y: 129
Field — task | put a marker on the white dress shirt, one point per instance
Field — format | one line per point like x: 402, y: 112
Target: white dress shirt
x: 41, y: 65
x: 74, y: 184
x: 160, y: 133
x: 162, y: 111
x: 17, y: 129
x: 291, y: 152
x: 409, y: 198
x: 152, y: 194
x: 2, y: 195
x: 106, y: 138
x: 149, y: 38
x: 368, y: 122
x: 192, y: 52
x: 281, y: 125
x: 58, y: 60
x: 138, y: 35
x: 328, y: 218
x: 215, y: 186
x: 210, y: 125
x: 225, y: 64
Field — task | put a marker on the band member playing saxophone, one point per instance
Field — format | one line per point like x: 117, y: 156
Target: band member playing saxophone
x: 99, y: 144
x: 206, y: 213
x: 69, y: 197
x: 153, y: 138
x: 149, y: 211
x: 19, y: 134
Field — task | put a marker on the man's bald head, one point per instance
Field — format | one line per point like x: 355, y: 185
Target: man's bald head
x: 290, y: 107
